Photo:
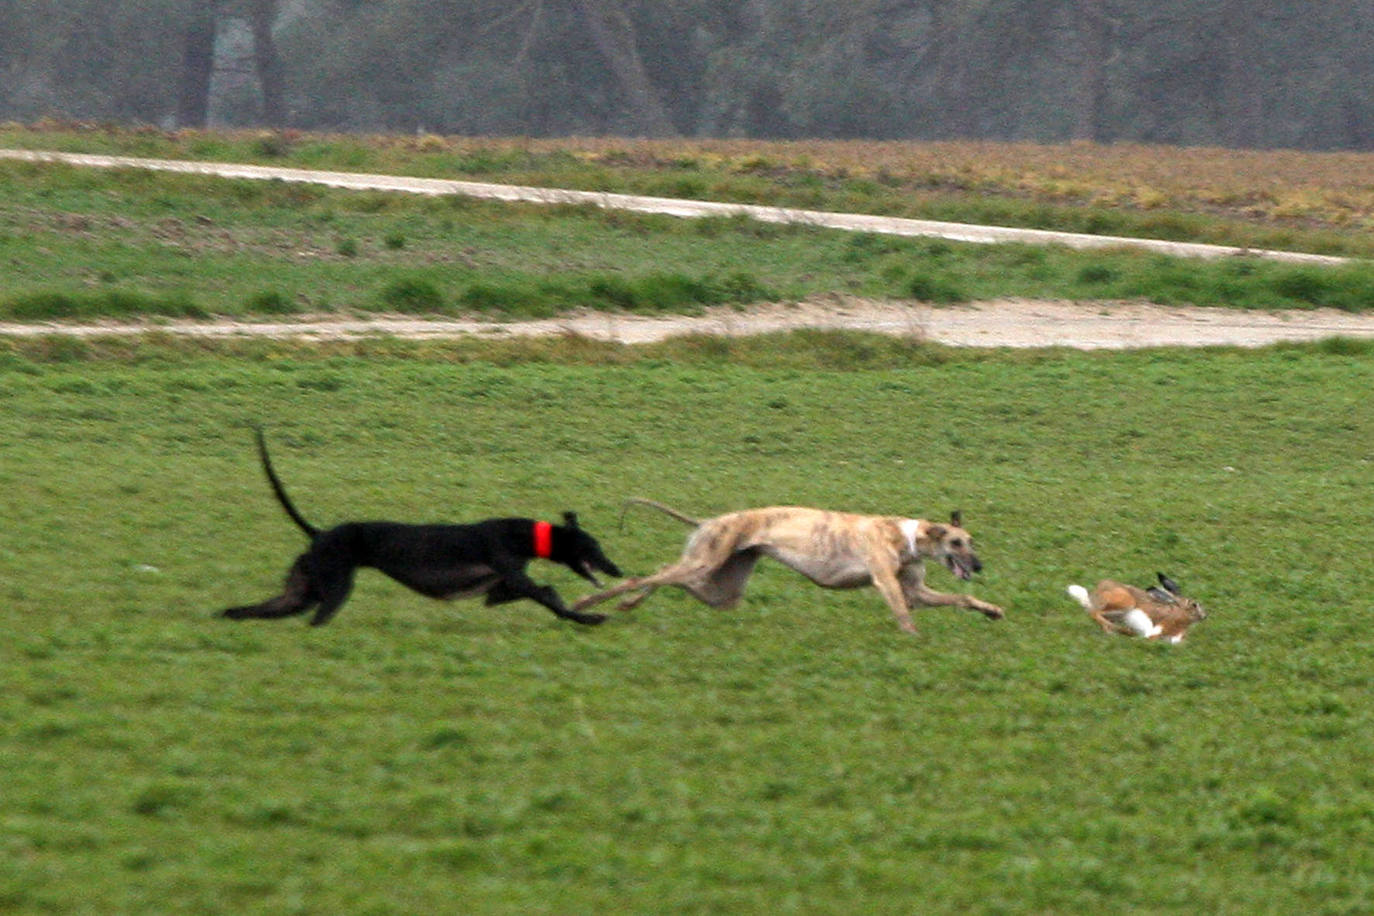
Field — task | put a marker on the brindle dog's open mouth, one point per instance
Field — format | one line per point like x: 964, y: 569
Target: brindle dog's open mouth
x: 961, y: 567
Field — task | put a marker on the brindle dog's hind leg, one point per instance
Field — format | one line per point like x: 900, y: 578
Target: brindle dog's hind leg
x: 720, y: 587
x: 297, y: 597
x: 681, y: 573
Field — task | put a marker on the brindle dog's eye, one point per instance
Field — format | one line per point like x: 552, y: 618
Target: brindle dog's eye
x: 957, y: 542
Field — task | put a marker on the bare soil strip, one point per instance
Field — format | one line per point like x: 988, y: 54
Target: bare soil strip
x: 1007, y: 323
x: 673, y: 207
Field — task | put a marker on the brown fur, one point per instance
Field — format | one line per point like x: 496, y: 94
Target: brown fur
x: 832, y: 549
x: 1170, y: 612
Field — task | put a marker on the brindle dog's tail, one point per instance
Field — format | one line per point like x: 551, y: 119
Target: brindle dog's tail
x: 310, y: 530
x: 666, y: 510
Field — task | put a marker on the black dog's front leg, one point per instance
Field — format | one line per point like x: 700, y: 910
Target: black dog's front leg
x: 515, y: 585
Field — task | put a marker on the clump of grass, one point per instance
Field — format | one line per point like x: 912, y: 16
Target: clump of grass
x: 271, y: 302
x: 1350, y: 289
x: 412, y: 296
x: 274, y: 144
x: 52, y: 305
x: 934, y: 287
x: 494, y: 297
x: 648, y: 293
x: 1236, y: 283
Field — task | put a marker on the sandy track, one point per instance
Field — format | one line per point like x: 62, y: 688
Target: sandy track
x: 1009, y: 323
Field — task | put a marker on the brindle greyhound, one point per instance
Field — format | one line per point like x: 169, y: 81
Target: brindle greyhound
x: 832, y: 549
x: 439, y: 561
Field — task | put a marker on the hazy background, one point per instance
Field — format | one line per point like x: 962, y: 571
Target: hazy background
x: 1239, y: 73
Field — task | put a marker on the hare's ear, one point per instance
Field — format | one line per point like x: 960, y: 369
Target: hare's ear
x: 1169, y: 584
x: 956, y: 518
x: 1160, y: 595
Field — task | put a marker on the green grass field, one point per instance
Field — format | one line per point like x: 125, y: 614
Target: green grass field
x: 798, y: 754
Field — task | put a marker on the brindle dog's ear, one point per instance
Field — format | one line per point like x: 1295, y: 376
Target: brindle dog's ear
x: 936, y: 532
x: 570, y: 519
x: 956, y: 518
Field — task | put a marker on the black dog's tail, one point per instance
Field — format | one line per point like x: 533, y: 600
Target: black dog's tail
x: 310, y: 530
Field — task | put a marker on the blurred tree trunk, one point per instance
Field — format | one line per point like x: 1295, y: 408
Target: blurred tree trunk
x: 1241, y: 118
x: 261, y: 15
x: 614, y: 35
x: 197, y: 65
x: 1095, y: 51
x: 953, y: 95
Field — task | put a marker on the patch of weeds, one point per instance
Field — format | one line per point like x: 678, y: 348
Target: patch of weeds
x: 1346, y: 346
x: 412, y: 296
x: 274, y: 145
x: 492, y: 297
x: 271, y: 302
x: 1095, y: 274
x: 55, y: 305
x: 930, y: 287
x: 867, y: 246
x: 159, y: 799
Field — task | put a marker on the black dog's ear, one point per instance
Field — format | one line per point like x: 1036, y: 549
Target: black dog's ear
x: 1169, y: 584
x: 570, y: 519
x: 956, y: 518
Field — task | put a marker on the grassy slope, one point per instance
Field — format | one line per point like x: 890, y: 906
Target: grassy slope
x: 1257, y: 198
x: 86, y: 244
x: 797, y: 754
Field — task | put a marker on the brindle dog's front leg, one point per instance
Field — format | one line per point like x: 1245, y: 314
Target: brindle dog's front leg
x: 915, y: 590
x: 885, y: 580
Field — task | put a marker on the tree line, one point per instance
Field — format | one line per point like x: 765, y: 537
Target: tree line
x: 1241, y: 73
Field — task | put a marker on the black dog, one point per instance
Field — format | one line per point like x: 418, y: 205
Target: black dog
x: 439, y: 561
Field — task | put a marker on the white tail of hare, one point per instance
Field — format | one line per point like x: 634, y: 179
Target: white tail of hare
x: 1158, y: 612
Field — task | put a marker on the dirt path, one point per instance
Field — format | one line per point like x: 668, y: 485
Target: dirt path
x: 1005, y: 323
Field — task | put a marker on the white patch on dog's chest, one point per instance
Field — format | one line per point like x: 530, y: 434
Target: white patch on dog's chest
x: 911, y: 530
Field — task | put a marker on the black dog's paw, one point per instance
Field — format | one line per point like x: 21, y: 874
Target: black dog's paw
x: 590, y: 620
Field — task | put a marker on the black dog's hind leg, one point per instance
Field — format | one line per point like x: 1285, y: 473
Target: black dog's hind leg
x: 515, y: 585
x: 333, y: 587
x: 297, y: 597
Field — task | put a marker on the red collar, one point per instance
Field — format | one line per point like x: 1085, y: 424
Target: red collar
x: 543, y: 540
